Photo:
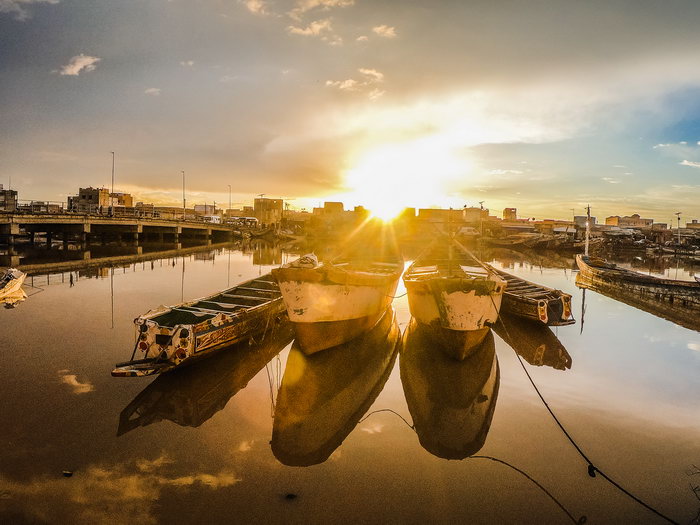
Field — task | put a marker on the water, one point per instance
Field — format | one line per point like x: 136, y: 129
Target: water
x: 202, y: 453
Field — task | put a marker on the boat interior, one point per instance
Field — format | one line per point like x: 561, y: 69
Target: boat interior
x: 243, y: 297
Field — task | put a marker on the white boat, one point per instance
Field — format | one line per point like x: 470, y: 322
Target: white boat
x: 455, y: 295
x: 11, y: 292
x: 331, y: 303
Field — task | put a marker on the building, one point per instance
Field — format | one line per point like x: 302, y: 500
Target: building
x: 333, y: 207
x: 580, y: 221
x: 475, y: 215
x: 510, y: 214
x: 268, y: 211
x: 124, y: 200
x: 8, y: 199
x: 98, y: 200
x: 205, y: 209
x: 633, y: 221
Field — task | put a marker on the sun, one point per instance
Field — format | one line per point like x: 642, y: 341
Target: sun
x: 394, y: 176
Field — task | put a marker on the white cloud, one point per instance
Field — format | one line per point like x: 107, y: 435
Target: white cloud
x: 364, y: 38
x: 694, y: 346
x: 690, y: 163
x: 375, y: 94
x: 78, y: 64
x: 303, y: 6
x: 373, y: 74
x: 154, y: 92
x: 345, y: 85
x: 610, y: 180
x: 385, y: 31
x: 258, y: 7
x: 657, y: 146
x: 187, y: 63
x: 315, y: 28
x: 19, y: 7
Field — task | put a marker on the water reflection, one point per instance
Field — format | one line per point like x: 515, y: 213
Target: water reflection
x: 533, y: 341
x: 191, y: 395
x: 681, y: 314
x: 324, y: 395
x: 451, y: 402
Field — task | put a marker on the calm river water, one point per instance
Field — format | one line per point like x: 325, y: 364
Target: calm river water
x: 195, y: 446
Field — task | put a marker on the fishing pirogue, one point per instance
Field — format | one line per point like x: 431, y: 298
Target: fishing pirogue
x: 169, y: 336
x: 455, y: 295
x: 331, y: 303
x: 535, y: 302
x: 11, y: 281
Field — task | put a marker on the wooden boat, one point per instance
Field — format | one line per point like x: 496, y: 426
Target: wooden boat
x: 533, y: 341
x: 598, y: 272
x: 323, y: 396
x: 11, y: 281
x: 190, y: 395
x: 454, y: 294
x: 677, y: 312
x: 451, y: 402
x: 534, y: 301
x: 331, y: 303
x: 170, y: 336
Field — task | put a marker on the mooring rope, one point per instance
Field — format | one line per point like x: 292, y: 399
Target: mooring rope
x: 592, y: 469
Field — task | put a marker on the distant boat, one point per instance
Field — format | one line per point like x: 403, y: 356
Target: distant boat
x: 535, y: 302
x: 167, y: 337
x: 191, y: 395
x: 455, y: 295
x: 597, y: 272
x: 324, y: 396
x: 11, y: 281
x: 451, y: 402
x: 331, y: 303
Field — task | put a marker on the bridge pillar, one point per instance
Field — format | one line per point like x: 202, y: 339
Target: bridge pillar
x: 49, y: 238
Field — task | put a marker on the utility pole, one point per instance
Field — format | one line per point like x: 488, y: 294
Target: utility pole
x: 111, y: 201
x: 184, y: 204
x: 588, y: 228
x: 678, y: 214
x: 229, y: 197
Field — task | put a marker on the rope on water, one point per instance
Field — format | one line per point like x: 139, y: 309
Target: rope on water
x: 592, y: 469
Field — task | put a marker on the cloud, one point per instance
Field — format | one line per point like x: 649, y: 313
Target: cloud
x: 364, y: 38
x: 78, y: 64
x: 258, y: 7
x: 154, y: 92
x: 694, y: 346
x: 315, y: 28
x: 610, y: 180
x: 19, y: 7
x: 187, y: 63
x: 370, y: 77
x: 72, y: 381
x: 385, y: 31
x: 690, y: 163
x: 304, y: 6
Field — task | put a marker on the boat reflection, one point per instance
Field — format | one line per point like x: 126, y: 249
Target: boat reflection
x: 451, y: 402
x: 189, y: 396
x: 533, y: 341
x: 324, y: 395
x: 685, y: 314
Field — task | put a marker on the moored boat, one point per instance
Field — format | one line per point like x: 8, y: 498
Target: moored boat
x: 451, y: 402
x: 534, y: 301
x: 331, y: 303
x: 323, y: 396
x: 455, y: 295
x: 11, y: 281
x: 598, y: 272
x: 170, y: 336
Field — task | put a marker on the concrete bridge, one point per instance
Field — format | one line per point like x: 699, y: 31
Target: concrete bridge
x: 89, y: 228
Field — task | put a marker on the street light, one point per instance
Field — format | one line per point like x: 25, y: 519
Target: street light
x: 183, y: 196
x: 229, y: 198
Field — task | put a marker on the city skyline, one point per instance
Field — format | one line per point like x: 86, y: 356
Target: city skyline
x: 544, y: 107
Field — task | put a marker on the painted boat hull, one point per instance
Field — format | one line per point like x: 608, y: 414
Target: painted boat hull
x: 451, y: 403
x: 459, y: 312
x: 324, y: 396
x: 329, y: 307
x: 168, y: 337
x: 14, y: 285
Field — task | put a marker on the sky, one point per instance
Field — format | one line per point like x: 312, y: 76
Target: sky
x: 545, y: 106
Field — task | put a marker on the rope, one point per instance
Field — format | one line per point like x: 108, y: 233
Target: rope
x: 592, y: 469
x: 393, y: 412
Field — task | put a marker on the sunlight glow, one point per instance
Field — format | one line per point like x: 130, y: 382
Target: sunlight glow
x: 417, y: 173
